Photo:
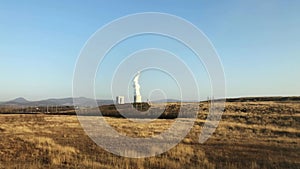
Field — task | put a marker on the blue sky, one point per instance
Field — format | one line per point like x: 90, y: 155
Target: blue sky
x: 257, y: 41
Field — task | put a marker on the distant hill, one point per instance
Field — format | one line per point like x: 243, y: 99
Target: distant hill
x: 165, y: 101
x: 172, y: 101
x: 19, y: 100
x: 55, y: 102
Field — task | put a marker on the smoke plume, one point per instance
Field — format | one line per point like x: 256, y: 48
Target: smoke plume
x: 136, y: 85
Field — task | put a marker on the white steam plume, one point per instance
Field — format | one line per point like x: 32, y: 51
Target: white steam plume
x: 136, y: 85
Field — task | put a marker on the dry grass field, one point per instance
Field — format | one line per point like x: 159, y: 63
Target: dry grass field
x: 261, y: 134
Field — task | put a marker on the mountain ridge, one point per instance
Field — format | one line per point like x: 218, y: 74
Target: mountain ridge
x: 20, y: 101
x: 68, y: 101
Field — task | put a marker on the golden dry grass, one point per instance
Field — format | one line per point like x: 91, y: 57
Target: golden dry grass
x: 250, y: 135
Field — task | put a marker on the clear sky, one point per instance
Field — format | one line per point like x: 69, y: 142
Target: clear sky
x: 258, y: 42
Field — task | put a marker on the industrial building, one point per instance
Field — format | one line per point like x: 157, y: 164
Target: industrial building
x: 120, y: 100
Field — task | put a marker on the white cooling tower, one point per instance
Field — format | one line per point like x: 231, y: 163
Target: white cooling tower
x: 137, y: 99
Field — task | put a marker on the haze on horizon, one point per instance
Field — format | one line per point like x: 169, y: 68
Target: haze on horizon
x: 257, y: 42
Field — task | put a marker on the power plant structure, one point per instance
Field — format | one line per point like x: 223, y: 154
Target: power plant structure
x: 120, y: 100
x: 137, y: 98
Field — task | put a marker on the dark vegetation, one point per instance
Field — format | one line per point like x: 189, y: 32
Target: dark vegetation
x: 260, y: 99
x: 37, y: 110
x: 141, y: 110
x: 133, y: 110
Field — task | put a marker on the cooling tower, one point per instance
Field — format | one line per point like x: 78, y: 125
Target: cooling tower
x: 137, y: 99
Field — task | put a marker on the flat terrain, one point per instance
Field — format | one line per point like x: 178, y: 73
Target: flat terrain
x: 252, y: 134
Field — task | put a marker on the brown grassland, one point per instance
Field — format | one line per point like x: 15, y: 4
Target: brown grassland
x: 261, y: 134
